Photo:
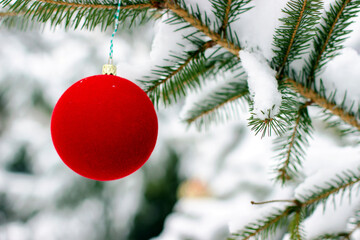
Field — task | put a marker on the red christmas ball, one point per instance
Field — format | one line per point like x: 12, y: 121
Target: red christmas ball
x: 104, y: 127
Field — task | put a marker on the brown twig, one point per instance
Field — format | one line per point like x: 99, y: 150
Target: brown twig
x: 293, y: 37
x: 282, y: 170
x: 226, y: 19
x: 98, y: 6
x: 7, y: 14
x: 273, y: 201
x: 324, y: 103
x: 175, y: 8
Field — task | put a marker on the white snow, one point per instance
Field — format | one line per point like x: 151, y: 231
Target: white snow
x: 262, y: 85
x: 337, y: 160
x: 354, y: 40
x: 340, y: 215
x: 342, y: 75
x: 167, y: 41
x: 256, y: 27
x: 325, y: 158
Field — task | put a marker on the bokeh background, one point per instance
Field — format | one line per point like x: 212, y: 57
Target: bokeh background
x: 196, y: 185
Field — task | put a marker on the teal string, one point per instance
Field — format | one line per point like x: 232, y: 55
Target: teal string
x: 115, y: 30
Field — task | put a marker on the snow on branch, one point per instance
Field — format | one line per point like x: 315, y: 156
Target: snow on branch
x: 266, y: 226
x: 317, y: 189
x: 263, y: 85
x: 234, y: 49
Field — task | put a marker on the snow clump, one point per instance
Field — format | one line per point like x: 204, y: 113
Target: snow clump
x: 262, y: 83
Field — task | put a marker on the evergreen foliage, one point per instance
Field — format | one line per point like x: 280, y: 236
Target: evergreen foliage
x: 354, y: 225
x: 301, y: 207
x: 73, y: 14
x: 330, y: 35
x: 292, y: 38
x: 295, y: 228
x: 266, y: 126
x: 219, y: 105
x: 302, y: 31
x: 228, y: 12
x: 291, y: 145
x: 266, y: 227
x: 159, y: 200
x: 333, y: 121
x: 21, y: 162
x: 172, y: 82
x: 341, y: 183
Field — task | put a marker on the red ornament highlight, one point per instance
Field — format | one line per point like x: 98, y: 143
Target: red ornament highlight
x: 104, y: 127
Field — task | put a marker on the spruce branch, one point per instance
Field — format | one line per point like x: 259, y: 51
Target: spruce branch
x: 12, y: 19
x: 168, y: 4
x: 225, y: 21
x: 274, y: 201
x: 330, y: 36
x: 228, y: 11
x: 295, y: 228
x: 332, y: 121
x: 234, y: 49
x: 183, y: 13
x: 341, y: 182
x: 310, y: 94
x: 191, y: 57
x: 266, y: 226
x: 8, y: 14
x: 291, y: 145
x: 266, y: 126
x: 216, y: 107
x: 292, y: 38
x: 84, y: 14
x: 171, y: 82
x: 284, y: 175
x: 301, y: 206
x: 74, y: 5
x: 339, y: 236
x: 294, y: 33
x: 192, y: 83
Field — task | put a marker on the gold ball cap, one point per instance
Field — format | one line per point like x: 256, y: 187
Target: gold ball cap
x: 109, y: 69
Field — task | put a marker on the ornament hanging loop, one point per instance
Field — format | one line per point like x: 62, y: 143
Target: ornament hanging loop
x: 110, y: 69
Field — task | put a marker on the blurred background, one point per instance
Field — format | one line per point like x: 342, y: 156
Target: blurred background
x: 195, y: 186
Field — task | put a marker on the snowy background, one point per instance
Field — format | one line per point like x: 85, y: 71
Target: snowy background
x: 199, y: 184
